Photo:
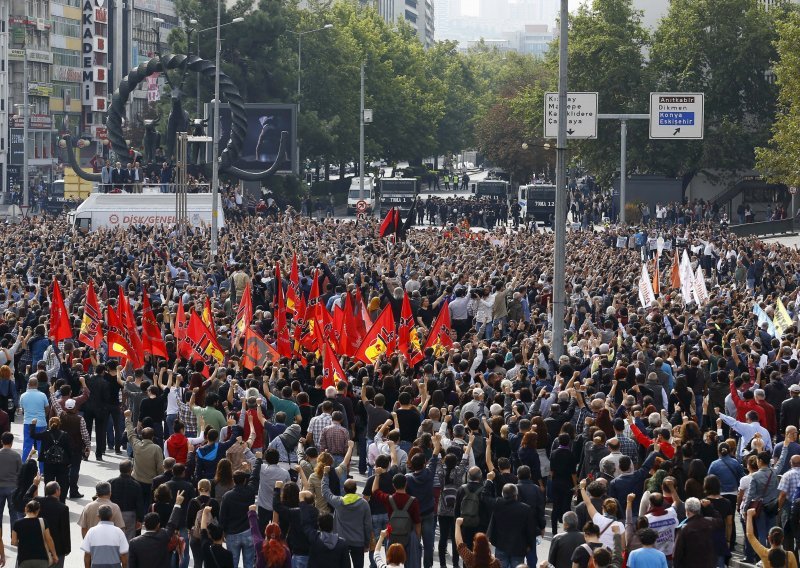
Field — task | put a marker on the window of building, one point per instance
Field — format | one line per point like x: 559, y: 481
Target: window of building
x: 66, y: 57
x: 411, y: 17
x: 73, y: 3
x: 66, y: 27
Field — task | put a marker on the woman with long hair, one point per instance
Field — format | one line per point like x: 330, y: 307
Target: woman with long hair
x: 9, y: 399
x: 695, y: 478
x: 56, y: 453
x: 31, y: 536
x: 162, y: 503
x: 315, y: 481
x: 395, y: 555
x: 223, y: 479
x: 271, y: 550
x: 528, y: 454
x: 481, y: 554
x: 775, y: 556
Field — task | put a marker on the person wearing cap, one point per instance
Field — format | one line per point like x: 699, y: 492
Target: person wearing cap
x: 74, y: 426
x: 790, y: 408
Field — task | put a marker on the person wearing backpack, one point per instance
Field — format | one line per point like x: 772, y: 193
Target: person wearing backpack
x: 194, y: 518
x: 471, y: 507
x: 451, y: 476
x: 403, y: 511
x: 56, y: 452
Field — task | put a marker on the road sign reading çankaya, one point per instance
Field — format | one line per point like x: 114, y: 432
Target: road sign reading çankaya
x: 676, y: 115
x: 581, y: 115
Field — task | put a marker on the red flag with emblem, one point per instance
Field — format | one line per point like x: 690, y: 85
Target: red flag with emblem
x: 244, y: 315
x: 281, y: 329
x: 332, y: 372
x: 117, y: 336
x: 338, y: 327
x: 352, y: 330
x: 180, y: 329
x: 91, y: 332
x: 152, y: 339
x: 407, y: 334
x: 390, y: 223
x: 380, y: 339
x: 201, y: 341
x: 362, y: 315
x: 439, y: 336
x: 293, y: 291
x: 309, y: 335
x: 675, y: 273
x: 125, y: 313
x: 208, y: 315
x: 60, y: 327
x: 257, y: 351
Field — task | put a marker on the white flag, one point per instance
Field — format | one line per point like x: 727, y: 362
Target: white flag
x: 764, y: 318
x: 687, y: 279
x: 701, y: 292
x: 646, y: 294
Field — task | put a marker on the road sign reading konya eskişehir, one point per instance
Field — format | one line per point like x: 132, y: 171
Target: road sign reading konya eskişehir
x: 581, y: 115
x: 676, y: 116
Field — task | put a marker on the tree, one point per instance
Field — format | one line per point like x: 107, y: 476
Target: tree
x: 722, y: 48
x: 780, y: 159
x: 605, y: 51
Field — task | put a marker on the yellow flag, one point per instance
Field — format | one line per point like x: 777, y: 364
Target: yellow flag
x: 781, y: 320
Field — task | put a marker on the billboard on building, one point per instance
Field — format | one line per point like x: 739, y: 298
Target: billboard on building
x: 265, y: 122
x: 16, y: 146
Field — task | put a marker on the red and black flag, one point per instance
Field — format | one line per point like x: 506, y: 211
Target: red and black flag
x: 390, y: 223
x: 91, y: 332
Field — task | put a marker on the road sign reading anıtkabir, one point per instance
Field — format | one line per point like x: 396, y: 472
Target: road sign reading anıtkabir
x: 581, y: 115
x: 676, y: 116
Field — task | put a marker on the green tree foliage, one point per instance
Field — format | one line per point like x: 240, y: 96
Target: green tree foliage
x: 780, y: 159
x: 722, y: 48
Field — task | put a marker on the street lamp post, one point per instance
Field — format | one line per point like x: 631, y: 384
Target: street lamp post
x: 197, y: 34
x: 560, y: 220
x: 215, y: 143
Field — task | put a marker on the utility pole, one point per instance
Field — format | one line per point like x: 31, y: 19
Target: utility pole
x: 361, y: 139
x: 25, y: 118
x: 215, y: 144
x: 560, y: 220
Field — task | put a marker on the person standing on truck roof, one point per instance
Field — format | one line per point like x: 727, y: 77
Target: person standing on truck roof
x: 118, y: 177
x: 105, y: 177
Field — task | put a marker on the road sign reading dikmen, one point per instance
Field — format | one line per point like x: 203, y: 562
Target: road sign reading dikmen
x: 676, y: 116
x: 581, y: 115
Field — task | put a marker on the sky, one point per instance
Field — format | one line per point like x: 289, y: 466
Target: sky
x: 470, y: 7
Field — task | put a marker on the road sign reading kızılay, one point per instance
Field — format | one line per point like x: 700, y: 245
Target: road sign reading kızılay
x: 581, y: 115
x: 676, y: 116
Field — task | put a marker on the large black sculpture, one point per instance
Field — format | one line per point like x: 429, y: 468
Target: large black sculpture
x: 229, y: 92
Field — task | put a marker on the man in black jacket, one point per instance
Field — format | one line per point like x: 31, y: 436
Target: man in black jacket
x: 96, y: 409
x: 55, y: 513
x: 565, y: 543
x: 790, y: 409
x: 127, y: 493
x: 512, y: 527
x: 530, y: 493
x: 327, y: 550
x: 233, y: 514
x: 179, y: 484
x: 151, y: 549
x: 473, y: 485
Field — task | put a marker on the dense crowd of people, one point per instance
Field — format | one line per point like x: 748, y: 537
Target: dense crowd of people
x: 666, y: 435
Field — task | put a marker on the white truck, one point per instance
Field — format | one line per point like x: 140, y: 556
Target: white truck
x: 354, y: 195
x: 123, y: 210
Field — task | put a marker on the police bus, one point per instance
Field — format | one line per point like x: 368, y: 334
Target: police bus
x: 537, y: 202
x: 397, y: 192
x: 494, y: 189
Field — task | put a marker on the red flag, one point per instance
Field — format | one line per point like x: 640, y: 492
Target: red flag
x: 201, y: 341
x: 390, y: 223
x: 60, y: 327
x: 92, y: 323
x: 338, y: 327
x: 208, y: 316
x: 257, y: 351
x: 180, y: 329
x: 407, y: 334
x: 362, y: 315
x: 293, y: 292
x: 439, y: 336
x: 117, y: 336
x: 352, y: 334
x: 332, y: 371
x: 152, y: 339
x: 323, y: 326
x: 308, y: 337
x: 244, y: 315
x: 281, y: 329
x: 129, y: 323
x: 656, y: 278
x: 380, y: 339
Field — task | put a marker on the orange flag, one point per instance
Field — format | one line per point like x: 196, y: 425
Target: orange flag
x: 439, y: 338
x: 407, y: 332
x: 656, y: 277
x: 208, y: 316
x: 152, y: 339
x: 380, y: 339
x: 332, y: 371
x: 675, y: 273
x: 91, y: 332
x: 257, y: 351
x: 60, y: 326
